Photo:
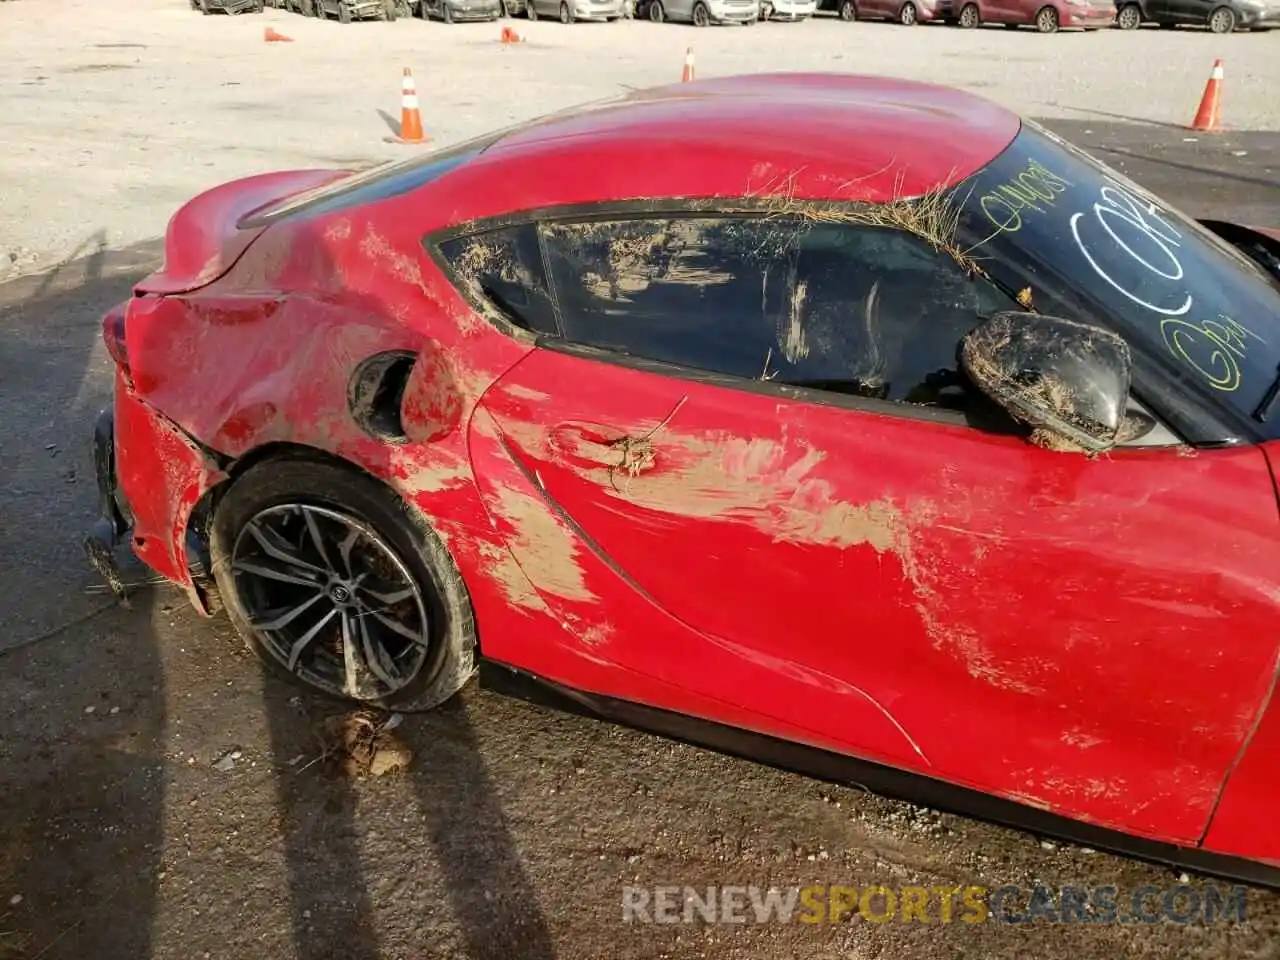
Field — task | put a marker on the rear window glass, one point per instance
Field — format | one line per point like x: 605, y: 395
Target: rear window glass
x: 376, y: 183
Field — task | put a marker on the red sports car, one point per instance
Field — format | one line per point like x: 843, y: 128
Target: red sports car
x: 849, y: 424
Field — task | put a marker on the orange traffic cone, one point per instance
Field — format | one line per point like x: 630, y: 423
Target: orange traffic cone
x: 510, y: 36
x: 271, y: 36
x: 687, y: 76
x: 1207, y: 117
x: 410, y: 118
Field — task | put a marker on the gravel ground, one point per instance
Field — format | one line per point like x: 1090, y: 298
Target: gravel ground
x: 160, y: 798
x: 113, y: 113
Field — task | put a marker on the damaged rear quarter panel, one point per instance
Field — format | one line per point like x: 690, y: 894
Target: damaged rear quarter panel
x: 265, y: 355
x: 163, y: 475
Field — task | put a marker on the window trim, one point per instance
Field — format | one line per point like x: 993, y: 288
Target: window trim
x: 693, y: 208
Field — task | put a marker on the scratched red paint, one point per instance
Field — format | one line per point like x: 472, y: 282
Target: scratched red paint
x: 1092, y: 637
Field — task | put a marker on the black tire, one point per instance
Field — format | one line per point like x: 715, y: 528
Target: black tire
x: 204, y: 7
x: 446, y: 12
x: 908, y: 16
x: 307, y: 8
x: 1221, y: 20
x: 344, y: 12
x: 450, y: 658
x: 969, y: 16
x: 656, y: 13
x: 701, y: 15
x: 389, y: 11
x: 566, y: 15
x: 848, y: 11
x: 1129, y: 17
x: 1047, y: 20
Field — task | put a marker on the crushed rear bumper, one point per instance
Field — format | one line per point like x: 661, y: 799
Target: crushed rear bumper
x: 115, y: 518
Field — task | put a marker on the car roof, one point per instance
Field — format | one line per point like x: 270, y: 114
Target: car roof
x: 820, y: 136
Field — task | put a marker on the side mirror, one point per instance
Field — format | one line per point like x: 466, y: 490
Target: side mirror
x: 1067, y: 378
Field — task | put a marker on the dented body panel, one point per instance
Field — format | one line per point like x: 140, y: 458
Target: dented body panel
x: 920, y: 588
x: 163, y: 476
x: 1088, y: 636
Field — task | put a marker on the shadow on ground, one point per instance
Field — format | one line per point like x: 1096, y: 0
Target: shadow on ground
x: 81, y: 688
x: 87, y: 757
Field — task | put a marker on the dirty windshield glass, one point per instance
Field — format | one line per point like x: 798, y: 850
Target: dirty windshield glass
x: 1082, y: 241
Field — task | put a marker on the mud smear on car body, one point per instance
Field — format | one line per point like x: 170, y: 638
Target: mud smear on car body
x: 772, y: 486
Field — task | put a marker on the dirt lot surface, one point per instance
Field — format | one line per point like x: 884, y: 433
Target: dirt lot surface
x: 160, y: 798
x: 114, y: 113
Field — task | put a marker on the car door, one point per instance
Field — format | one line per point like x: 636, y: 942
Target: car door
x: 758, y: 427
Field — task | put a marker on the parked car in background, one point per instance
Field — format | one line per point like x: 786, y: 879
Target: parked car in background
x: 459, y: 11
x: 571, y: 10
x: 700, y: 13
x: 347, y: 10
x: 1220, y: 16
x: 1046, y: 17
x: 789, y: 10
x: 228, y: 6
x: 906, y: 12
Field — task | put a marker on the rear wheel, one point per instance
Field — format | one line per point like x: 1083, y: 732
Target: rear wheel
x: 446, y: 12
x: 1047, y: 20
x: 656, y: 13
x: 566, y: 15
x: 908, y: 16
x: 701, y: 15
x: 344, y: 13
x: 1129, y: 17
x: 969, y: 16
x: 848, y: 11
x: 1222, y: 20
x: 330, y: 581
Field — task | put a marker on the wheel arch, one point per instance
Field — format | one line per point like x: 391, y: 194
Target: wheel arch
x: 201, y: 516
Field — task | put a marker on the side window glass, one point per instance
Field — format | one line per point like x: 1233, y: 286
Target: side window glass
x: 868, y: 311
x: 880, y: 313
x: 502, y: 270
x: 706, y: 293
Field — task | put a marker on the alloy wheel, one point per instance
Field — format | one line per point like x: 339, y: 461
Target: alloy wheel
x: 969, y: 16
x: 1129, y: 17
x: 331, y: 600
x: 1222, y: 20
